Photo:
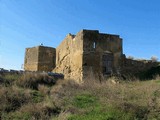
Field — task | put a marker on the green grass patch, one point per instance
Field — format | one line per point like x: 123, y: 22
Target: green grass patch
x: 16, y: 116
x: 84, y: 101
x: 158, y: 81
x: 101, y: 113
x: 8, y: 79
x: 37, y: 96
x: 94, y: 110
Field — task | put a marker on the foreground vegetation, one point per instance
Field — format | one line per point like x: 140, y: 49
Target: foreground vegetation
x: 39, y: 97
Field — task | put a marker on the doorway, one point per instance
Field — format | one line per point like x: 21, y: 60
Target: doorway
x: 107, y: 63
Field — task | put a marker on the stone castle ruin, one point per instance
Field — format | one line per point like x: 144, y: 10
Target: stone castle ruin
x: 86, y: 54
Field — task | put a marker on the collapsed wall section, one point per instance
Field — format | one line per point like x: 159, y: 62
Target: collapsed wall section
x: 132, y: 67
x: 69, y: 57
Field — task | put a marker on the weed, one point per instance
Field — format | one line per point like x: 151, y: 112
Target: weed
x: 17, y: 116
x: 9, y: 79
x: 84, y: 100
x: 37, y: 96
x: 32, y: 80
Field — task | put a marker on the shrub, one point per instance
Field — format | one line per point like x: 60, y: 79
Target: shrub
x: 32, y: 80
x: 43, y: 89
x: 130, y: 57
x: 110, y: 99
x: 17, y: 116
x: 41, y: 110
x: 8, y: 79
x: 13, y: 98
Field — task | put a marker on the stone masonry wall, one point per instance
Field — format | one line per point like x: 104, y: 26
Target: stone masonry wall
x: 95, y: 45
x: 40, y: 58
x: 88, y: 53
x: 31, y: 59
x: 80, y: 55
x: 131, y: 67
x: 69, y: 57
x: 46, y: 58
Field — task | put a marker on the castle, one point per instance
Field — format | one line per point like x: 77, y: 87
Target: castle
x: 88, y: 53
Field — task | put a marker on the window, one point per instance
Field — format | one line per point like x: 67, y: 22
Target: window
x: 85, y: 64
x: 94, y: 45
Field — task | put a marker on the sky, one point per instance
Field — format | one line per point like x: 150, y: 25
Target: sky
x: 28, y: 23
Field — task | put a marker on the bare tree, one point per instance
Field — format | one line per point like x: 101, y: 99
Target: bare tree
x: 154, y: 58
x: 130, y: 57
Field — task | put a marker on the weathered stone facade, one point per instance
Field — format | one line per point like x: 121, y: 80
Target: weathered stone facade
x: 89, y: 52
x: 134, y: 66
x: 86, y: 55
x: 40, y: 58
x: 69, y: 56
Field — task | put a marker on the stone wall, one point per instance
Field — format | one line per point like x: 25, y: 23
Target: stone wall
x: 95, y: 45
x: 31, y: 59
x: 86, y: 55
x: 69, y: 57
x: 132, y: 67
x: 40, y: 58
x: 80, y: 56
x: 46, y: 58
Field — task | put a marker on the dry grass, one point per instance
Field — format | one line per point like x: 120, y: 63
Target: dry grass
x: 34, y: 97
x: 141, y: 99
x: 32, y: 80
x: 26, y: 97
x: 12, y: 98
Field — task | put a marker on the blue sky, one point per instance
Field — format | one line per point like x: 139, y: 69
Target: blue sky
x: 28, y: 23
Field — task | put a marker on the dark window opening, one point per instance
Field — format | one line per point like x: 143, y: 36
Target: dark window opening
x: 85, y: 64
x: 107, y: 63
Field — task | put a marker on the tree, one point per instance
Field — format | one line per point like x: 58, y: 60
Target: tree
x: 130, y: 57
x: 154, y: 58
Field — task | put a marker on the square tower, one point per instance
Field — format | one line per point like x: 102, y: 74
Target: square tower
x: 40, y: 58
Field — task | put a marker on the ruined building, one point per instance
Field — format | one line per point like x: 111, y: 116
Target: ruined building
x: 89, y: 52
x: 78, y: 56
x: 86, y: 54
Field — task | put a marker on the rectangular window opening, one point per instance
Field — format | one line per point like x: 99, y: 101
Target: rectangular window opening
x: 94, y: 45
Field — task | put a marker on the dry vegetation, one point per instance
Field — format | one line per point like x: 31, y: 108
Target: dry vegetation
x: 38, y: 97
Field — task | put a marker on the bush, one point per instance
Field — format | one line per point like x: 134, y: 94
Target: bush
x: 17, y: 116
x: 8, y: 79
x: 31, y: 111
x: 32, y: 97
x: 150, y: 74
x: 41, y: 110
x: 13, y: 98
x: 32, y: 80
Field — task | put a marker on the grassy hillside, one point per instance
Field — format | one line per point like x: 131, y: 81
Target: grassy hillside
x: 37, y: 97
